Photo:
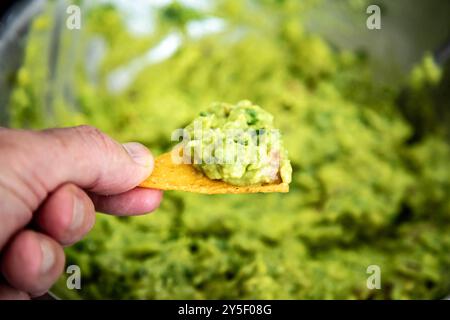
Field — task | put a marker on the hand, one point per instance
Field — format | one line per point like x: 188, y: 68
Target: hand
x: 51, y: 183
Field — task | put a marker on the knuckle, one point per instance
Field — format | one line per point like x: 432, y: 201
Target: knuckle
x: 89, y: 131
x: 19, y: 169
x: 10, y: 141
x: 94, y: 135
x: 15, y: 146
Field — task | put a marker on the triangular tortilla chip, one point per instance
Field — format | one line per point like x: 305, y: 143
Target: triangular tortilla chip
x: 167, y: 175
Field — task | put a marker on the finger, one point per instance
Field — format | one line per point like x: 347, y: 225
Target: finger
x: 9, y: 293
x: 67, y: 215
x: 94, y: 161
x: 35, y: 163
x: 133, y: 202
x: 32, y: 262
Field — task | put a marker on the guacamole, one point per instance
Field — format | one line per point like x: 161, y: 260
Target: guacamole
x: 362, y: 192
x: 239, y: 145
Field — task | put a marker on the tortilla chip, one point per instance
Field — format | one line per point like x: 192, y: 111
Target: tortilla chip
x: 167, y: 175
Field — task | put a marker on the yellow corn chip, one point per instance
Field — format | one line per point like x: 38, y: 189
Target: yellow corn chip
x: 167, y: 175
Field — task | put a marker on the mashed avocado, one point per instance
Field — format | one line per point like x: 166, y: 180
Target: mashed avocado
x: 239, y: 145
x: 361, y: 193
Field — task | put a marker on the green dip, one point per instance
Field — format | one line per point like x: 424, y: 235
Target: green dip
x: 239, y: 145
x: 362, y: 192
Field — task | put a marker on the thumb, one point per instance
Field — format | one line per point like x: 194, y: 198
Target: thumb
x: 92, y: 160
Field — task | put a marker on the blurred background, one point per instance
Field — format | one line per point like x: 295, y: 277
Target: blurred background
x: 364, y: 114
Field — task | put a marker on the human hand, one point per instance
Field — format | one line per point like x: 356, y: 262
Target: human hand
x: 51, y: 183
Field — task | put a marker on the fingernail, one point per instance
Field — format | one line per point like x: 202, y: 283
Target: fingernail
x: 77, y: 214
x: 140, y: 154
x: 48, y: 256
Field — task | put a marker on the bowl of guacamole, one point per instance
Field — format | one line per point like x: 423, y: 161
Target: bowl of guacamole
x: 370, y: 178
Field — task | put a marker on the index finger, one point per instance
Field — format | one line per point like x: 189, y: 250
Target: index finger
x: 133, y: 202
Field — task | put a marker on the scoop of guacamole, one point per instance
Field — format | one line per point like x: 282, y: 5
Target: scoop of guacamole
x: 239, y: 145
